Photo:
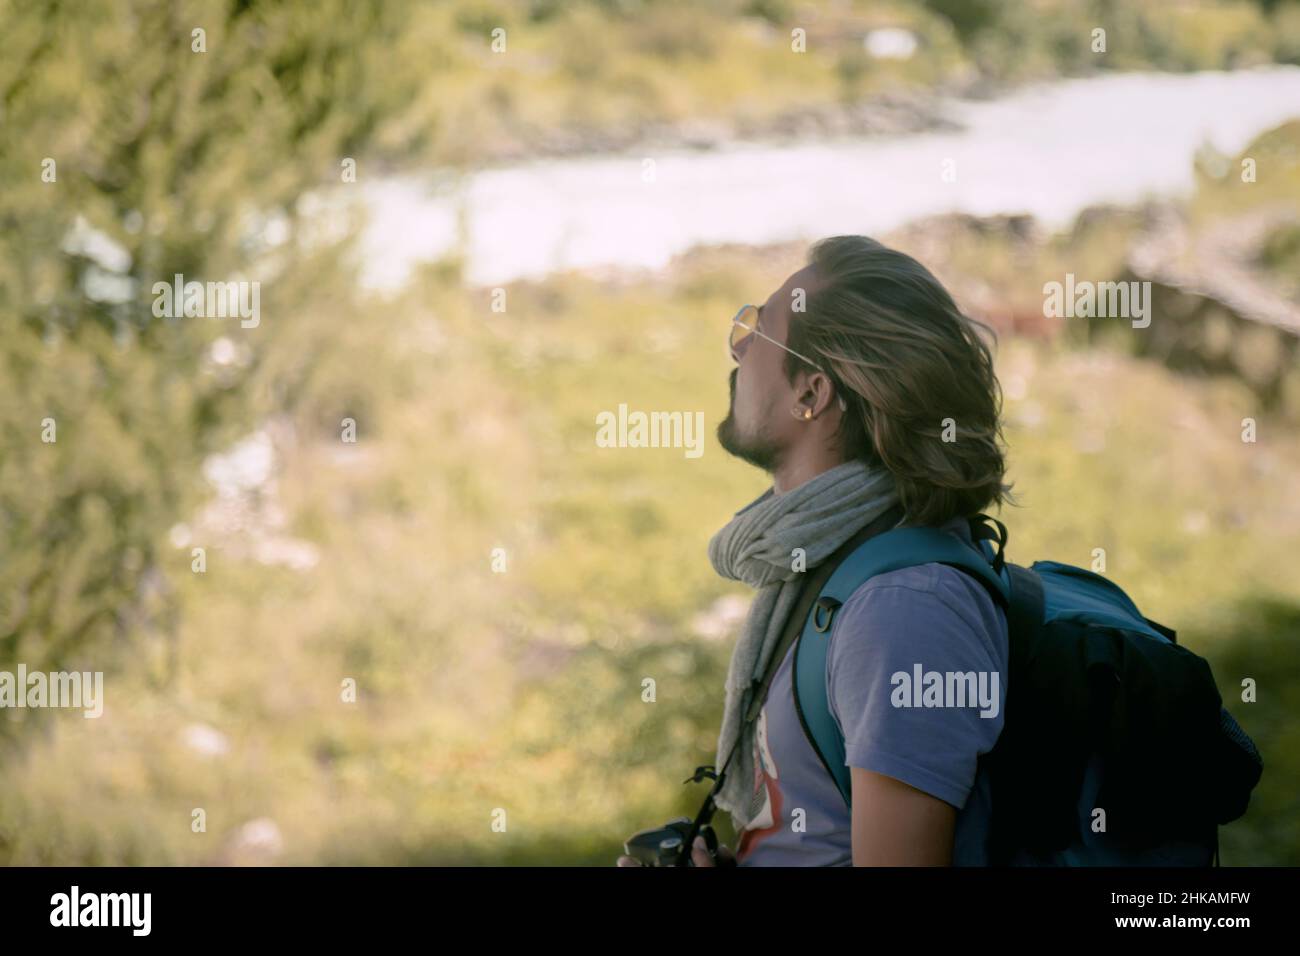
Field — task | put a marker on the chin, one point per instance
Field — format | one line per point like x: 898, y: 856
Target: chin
x: 758, y: 454
x: 726, y: 433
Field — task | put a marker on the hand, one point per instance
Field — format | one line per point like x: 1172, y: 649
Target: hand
x: 699, y: 856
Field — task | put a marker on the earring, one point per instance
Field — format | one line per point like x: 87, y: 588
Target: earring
x: 806, y: 416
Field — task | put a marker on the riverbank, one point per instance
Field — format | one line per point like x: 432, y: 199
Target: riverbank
x: 562, y: 80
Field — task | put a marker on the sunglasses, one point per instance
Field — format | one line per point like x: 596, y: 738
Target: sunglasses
x: 745, y: 324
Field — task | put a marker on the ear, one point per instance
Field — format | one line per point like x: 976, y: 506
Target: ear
x: 818, y: 392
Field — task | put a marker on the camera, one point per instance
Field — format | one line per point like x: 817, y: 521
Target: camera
x: 668, y: 845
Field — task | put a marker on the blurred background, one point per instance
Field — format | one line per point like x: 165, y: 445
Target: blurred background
x: 476, y: 225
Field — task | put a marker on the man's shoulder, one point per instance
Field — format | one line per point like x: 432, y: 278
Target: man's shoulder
x: 924, y: 585
x: 924, y: 589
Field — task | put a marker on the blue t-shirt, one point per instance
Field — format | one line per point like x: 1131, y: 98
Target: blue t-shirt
x: 931, y: 622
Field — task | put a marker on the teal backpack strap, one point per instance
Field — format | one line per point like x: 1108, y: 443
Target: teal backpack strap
x: 889, y: 551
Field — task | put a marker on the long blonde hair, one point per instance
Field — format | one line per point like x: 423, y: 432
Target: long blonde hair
x: 923, y: 398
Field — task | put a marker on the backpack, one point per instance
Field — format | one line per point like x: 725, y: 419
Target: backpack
x: 1104, y: 710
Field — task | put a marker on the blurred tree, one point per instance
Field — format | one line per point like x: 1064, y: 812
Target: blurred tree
x: 139, y: 140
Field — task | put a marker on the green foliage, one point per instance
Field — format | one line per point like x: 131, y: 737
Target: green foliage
x: 523, y: 690
x: 170, y: 155
x: 968, y: 17
x: 1281, y: 252
x: 1262, y: 650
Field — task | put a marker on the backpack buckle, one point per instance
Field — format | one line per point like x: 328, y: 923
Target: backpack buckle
x: 828, y: 605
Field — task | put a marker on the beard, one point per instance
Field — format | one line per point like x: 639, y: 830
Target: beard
x: 759, y: 451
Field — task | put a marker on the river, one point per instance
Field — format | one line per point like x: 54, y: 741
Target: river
x: 1049, y: 150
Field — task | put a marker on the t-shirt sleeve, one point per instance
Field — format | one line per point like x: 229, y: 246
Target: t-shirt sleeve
x: 918, y: 616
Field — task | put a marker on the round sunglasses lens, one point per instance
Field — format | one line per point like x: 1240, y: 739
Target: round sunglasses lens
x: 739, y: 334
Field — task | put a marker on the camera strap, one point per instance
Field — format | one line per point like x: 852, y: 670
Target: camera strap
x: 813, y: 583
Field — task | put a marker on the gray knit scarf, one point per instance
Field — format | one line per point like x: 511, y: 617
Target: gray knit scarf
x: 756, y: 547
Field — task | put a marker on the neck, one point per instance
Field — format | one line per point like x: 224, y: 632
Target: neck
x: 801, y: 467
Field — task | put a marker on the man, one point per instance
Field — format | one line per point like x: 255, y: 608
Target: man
x: 861, y: 387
